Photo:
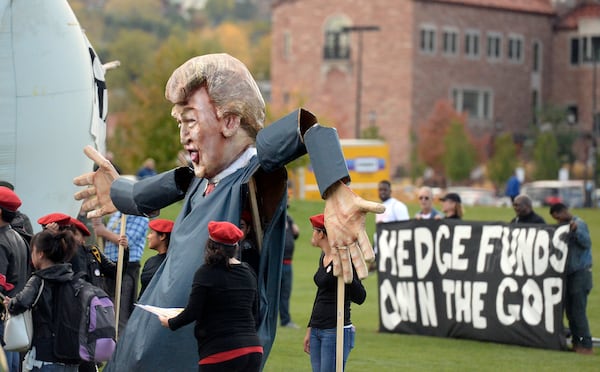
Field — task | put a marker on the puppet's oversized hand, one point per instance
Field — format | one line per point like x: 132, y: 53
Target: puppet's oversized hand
x: 96, y: 197
x: 345, y: 215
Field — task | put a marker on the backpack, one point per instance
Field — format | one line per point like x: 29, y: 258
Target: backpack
x: 85, y: 328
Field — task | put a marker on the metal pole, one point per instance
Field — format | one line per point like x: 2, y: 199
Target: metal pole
x: 360, y: 30
x: 590, y: 174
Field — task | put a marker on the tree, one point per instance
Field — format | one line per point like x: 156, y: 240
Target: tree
x: 234, y: 41
x: 371, y: 132
x: 461, y: 156
x: 555, y: 118
x: 504, y: 160
x: 431, y: 133
x: 545, y: 155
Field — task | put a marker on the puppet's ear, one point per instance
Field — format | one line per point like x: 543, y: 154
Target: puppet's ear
x: 231, y: 125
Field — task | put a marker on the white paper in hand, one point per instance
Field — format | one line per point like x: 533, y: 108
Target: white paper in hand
x: 169, y: 312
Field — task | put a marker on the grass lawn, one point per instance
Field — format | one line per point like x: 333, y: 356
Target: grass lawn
x: 376, y: 351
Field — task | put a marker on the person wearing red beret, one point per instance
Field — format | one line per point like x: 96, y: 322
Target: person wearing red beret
x: 21, y: 223
x: 224, y: 304
x: 320, y: 338
x: 91, y: 261
x: 88, y: 259
x: 14, y: 255
x: 50, y: 251
x: 159, y: 235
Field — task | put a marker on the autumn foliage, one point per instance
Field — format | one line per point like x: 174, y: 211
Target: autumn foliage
x: 431, y: 134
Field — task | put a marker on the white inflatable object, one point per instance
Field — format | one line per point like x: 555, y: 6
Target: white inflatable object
x: 53, y: 103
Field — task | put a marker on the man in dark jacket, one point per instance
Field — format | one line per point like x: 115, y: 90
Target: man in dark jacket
x: 14, y: 256
x: 524, y: 210
x: 20, y: 222
x: 579, y: 277
x: 291, y: 234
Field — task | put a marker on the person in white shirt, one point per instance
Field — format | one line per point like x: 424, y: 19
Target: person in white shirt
x: 395, y: 210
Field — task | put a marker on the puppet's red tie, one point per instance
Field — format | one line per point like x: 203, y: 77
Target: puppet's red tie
x: 209, y: 188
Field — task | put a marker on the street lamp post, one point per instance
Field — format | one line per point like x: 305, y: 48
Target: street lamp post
x: 590, y: 167
x: 360, y: 30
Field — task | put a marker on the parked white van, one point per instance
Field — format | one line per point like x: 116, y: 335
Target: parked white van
x: 545, y: 193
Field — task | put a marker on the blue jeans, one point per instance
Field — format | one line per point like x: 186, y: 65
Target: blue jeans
x: 56, y: 367
x: 284, y: 295
x: 322, y: 348
x: 13, y: 360
x: 579, y: 285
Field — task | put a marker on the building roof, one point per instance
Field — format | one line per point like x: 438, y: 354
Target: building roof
x: 570, y: 20
x: 526, y: 6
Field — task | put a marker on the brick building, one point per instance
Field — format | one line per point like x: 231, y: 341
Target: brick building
x: 497, y: 60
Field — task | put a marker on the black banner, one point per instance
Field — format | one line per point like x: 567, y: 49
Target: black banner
x: 483, y: 281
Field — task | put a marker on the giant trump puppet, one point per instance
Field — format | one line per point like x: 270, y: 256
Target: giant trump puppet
x: 52, y: 103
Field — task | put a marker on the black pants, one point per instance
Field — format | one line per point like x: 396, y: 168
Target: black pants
x: 87, y: 367
x: 245, y: 363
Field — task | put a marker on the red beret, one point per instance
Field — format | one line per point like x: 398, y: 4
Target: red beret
x: 3, y: 283
x: 318, y: 221
x: 8, y: 199
x: 161, y: 225
x: 224, y: 232
x: 60, y: 218
x: 80, y: 226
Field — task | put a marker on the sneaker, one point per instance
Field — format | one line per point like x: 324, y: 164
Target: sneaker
x: 291, y: 325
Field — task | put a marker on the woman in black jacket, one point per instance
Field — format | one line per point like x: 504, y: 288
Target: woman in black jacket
x: 224, y: 304
x: 320, y: 339
x: 49, y: 253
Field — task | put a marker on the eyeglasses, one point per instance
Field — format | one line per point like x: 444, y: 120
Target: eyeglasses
x: 423, y: 197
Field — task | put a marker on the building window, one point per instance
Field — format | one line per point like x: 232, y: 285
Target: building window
x: 535, y: 105
x: 515, y: 48
x: 494, y: 45
x: 472, y: 43
x: 337, y: 42
x: 575, y: 51
x: 450, y: 41
x: 476, y: 102
x: 583, y: 49
x: 572, y: 114
x: 427, y: 42
x: 287, y: 45
x: 537, y: 56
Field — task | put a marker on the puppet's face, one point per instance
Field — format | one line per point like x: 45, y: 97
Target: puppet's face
x: 202, y: 134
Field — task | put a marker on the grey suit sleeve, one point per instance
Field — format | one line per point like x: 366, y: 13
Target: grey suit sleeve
x: 151, y: 194
x: 282, y: 142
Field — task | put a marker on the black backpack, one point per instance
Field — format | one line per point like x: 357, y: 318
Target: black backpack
x: 84, y: 322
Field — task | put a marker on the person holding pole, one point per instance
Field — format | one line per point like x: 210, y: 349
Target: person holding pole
x: 136, y: 229
x: 330, y: 333
x: 237, y: 164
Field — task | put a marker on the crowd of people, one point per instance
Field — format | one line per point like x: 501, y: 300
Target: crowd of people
x: 58, y: 254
